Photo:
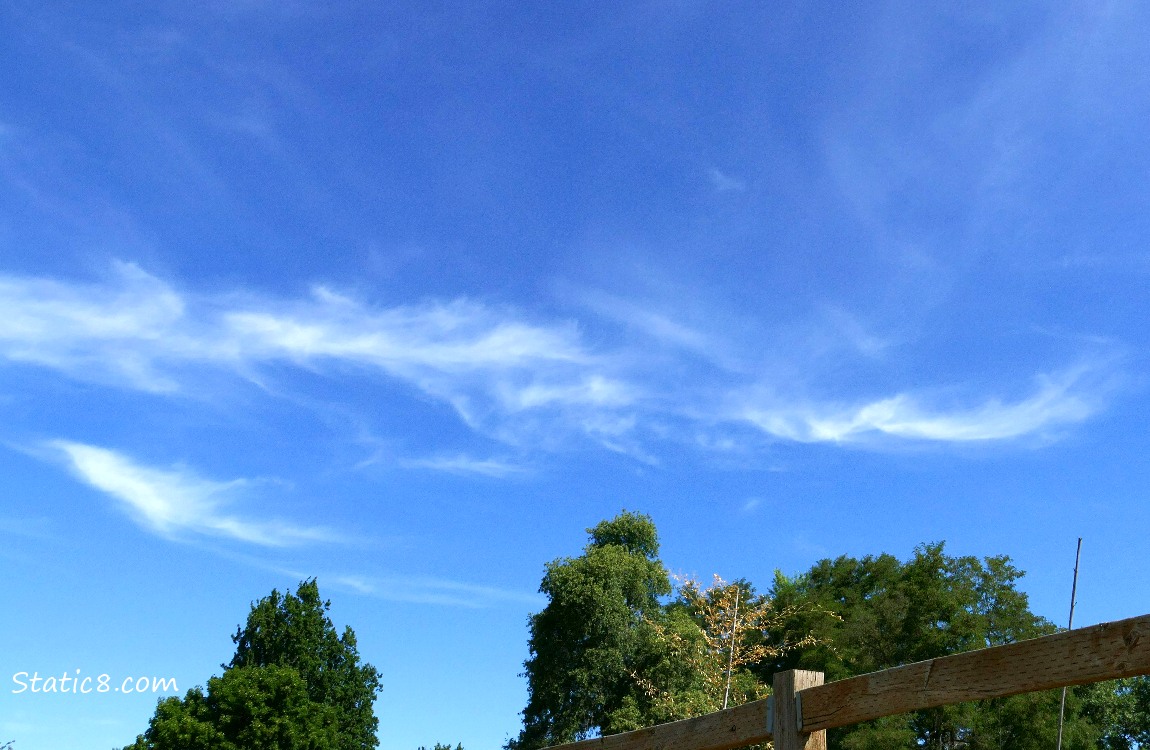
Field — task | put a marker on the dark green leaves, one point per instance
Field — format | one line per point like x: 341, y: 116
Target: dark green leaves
x: 586, y: 644
x: 892, y: 613
x: 293, y: 684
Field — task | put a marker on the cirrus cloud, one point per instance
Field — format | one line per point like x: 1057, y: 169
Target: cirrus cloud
x: 1056, y: 400
x: 176, y: 502
x: 521, y: 382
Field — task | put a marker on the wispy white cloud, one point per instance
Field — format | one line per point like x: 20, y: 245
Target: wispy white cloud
x: 853, y: 333
x: 411, y: 588
x: 660, y: 326
x: 525, y: 383
x: 138, y: 332
x: 1055, y: 402
x: 455, y: 337
x: 725, y: 183
x: 174, y: 502
x: 462, y: 464
x: 438, y: 591
x: 100, y: 330
x: 593, y: 390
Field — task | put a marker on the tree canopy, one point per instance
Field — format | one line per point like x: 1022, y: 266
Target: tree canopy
x: 878, y: 612
x: 293, y: 684
x: 585, y: 644
x: 613, y: 650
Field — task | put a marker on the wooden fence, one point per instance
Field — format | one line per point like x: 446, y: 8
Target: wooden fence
x: 803, y: 708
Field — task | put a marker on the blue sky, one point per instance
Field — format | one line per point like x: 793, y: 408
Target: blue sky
x: 405, y: 296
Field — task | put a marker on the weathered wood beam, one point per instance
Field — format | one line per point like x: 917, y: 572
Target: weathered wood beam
x: 788, y: 734
x: 1075, y: 657
x: 723, y: 730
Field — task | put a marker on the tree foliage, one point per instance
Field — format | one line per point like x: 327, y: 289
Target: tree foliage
x: 293, y: 684
x: 891, y: 613
x: 613, y: 651
x: 1122, y: 709
x: 713, y: 636
x: 586, y: 643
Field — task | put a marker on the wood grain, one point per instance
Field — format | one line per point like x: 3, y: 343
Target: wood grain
x: 723, y: 730
x: 1102, y: 652
x: 1075, y: 657
x: 788, y: 734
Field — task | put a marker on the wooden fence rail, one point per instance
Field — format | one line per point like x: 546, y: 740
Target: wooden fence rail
x: 802, y: 708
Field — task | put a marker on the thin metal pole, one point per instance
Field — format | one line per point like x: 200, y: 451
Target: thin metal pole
x: 1069, y: 626
x: 731, y: 658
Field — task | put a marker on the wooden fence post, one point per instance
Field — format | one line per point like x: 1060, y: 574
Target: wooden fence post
x: 1106, y: 651
x: 787, y: 730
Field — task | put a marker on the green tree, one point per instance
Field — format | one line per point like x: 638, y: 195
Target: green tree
x: 1122, y: 709
x: 295, y: 632
x: 590, y: 638
x: 609, y: 653
x: 891, y: 613
x: 246, y: 707
x: 709, y: 639
x: 293, y: 684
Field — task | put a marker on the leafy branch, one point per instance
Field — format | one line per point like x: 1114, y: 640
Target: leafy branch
x: 715, y: 634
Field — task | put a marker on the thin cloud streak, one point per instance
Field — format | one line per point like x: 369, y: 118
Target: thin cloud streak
x: 454, y: 338
x: 724, y: 183
x: 437, y: 591
x: 1054, y: 403
x: 660, y: 328
x: 414, y: 588
x: 174, y: 502
x: 461, y: 464
x: 527, y: 384
x: 137, y: 332
x: 101, y: 332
